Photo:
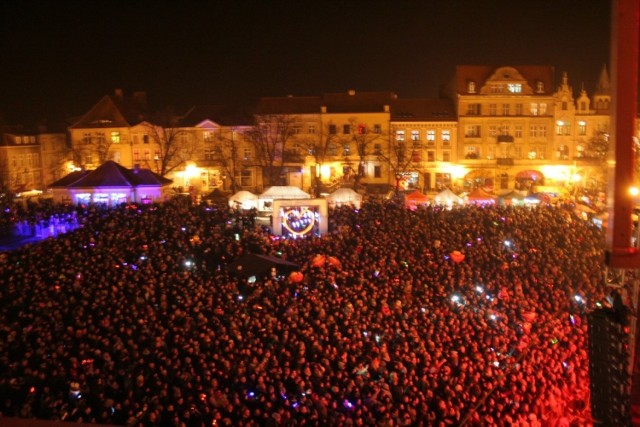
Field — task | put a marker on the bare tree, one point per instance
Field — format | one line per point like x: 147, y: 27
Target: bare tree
x: 319, y: 147
x: 364, y: 139
x: 270, y: 137
x: 227, y: 154
x: 400, y: 160
x: 174, y: 145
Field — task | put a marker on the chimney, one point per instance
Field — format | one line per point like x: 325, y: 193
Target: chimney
x: 352, y: 92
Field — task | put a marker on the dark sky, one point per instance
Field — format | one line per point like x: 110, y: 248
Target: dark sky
x: 60, y: 57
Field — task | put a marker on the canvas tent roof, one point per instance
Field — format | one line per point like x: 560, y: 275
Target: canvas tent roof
x: 284, y: 192
x: 479, y: 194
x: 260, y: 265
x: 447, y: 196
x: 345, y: 195
x: 243, y: 198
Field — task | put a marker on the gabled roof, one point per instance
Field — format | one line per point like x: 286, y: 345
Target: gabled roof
x: 111, y: 174
x: 289, y: 105
x: 223, y: 115
x: 481, y: 73
x: 114, y: 111
x: 422, y: 109
x: 357, y: 102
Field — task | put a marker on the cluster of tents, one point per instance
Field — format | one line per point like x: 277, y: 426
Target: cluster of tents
x: 247, y: 200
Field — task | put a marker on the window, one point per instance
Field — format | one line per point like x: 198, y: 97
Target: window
x: 415, y: 135
x: 518, y: 131
x: 493, y: 130
x: 534, y: 109
x: 100, y: 138
x: 446, y: 137
x: 518, y: 110
x: 506, y: 109
x: 136, y: 155
x: 147, y: 155
x: 332, y: 149
x: 472, y: 131
x: 582, y: 128
x: 431, y: 136
x: 87, y: 138
x: 504, y: 129
x: 346, y: 149
x: 145, y: 139
x: 346, y: 129
x: 473, y: 110
x: 543, y: 108
x: 564, y: 105
x: 36, y: 160
x: 431, y: 156
x: 471, y: 152
x: 246, y: 153
x: 399, y: 135
x: 377, y: 148
x: 446, y: 156
x: 492, y: 109
x: 246, y: 178
x: 295, y: 130
x: 514, y: 87
x: 491, y: 152
x: 539, y: 87
x: 583, y: 106
x: 563, y: 127
x: 333, y: 130
x: 377, y: 129
x: 471, y: 86
x: 115, y: 137
x: 362, y: 129
x: 377, y: 171
x: 207, y: 136
x: 311, y: 130
x: 415, y: 156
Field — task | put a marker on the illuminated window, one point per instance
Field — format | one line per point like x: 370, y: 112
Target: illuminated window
x: 415, y: 135
x: 209, y: 154
x: 471, y: 87
x: 543, y: 108
x: 87, y: 138
x: 563, y: 127
x: 311, y: 130
x: 115, y: 137
x: 534, y: 109
x: 431, y: 136
x: 346, y: 149
x: 582, y: 128
x: 514, y: 87
x: 446, y: 137
x: 207, y: 136
x: 246, y: 153
x: 399, y: 135
x: 539, y: 87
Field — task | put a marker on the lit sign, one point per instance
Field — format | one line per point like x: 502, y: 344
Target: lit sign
x: 298, y: 220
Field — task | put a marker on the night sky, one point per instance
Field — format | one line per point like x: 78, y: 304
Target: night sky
x: 59, y: 57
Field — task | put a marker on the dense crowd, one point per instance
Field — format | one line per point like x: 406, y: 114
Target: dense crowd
x: 470, y: 316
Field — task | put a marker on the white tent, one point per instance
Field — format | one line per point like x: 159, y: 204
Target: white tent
x: 345, y: 196
x: 447, y: 197
x: 243, y: 200
x: 280, y: 192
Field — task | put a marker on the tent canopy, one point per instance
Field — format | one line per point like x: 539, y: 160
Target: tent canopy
x: 345, y: 196
x: 260, y: 265
x: 284, y: 192
x: 479, y: 195
x: 447, y: 197
x: 244, y: 200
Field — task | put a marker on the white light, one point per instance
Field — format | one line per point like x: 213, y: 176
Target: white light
x: 493, y: 317
x: 507, y: 243
x: 578, y: 298
x: 479, y: 289
x: 455, y: 298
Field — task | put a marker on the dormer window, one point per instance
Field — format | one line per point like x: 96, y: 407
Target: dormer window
x: 539, y: 87
x: 514, y: 87
x: 471, y: 86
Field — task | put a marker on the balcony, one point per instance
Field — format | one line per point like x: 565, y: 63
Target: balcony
x: 504, y: 161
x: 504, y: 138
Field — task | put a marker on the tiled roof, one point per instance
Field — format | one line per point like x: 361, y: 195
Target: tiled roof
x: 221, y: 114
x: 422, y: 109
x: 480, y: 74
x: 114, y: 111
x: 111, y: 174
x: 357, y: 102
x: 289, y: 105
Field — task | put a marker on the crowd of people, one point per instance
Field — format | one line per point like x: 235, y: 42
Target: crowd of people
x: 437, y: 317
